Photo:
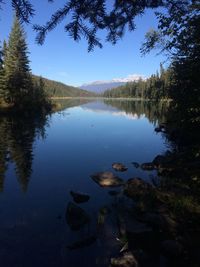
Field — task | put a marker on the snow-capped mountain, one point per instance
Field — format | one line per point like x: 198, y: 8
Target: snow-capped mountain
x: 101, y: 86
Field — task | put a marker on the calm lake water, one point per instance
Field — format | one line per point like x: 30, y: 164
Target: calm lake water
x: 41, y: 160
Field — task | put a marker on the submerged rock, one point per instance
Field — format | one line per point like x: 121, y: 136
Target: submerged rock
x: 126, y: 260
x: 82, y: 243
x: 76, y: 217
x: 136, y: 165
x: 119, y: 167
x: 148, y: 166
x: 138, y: 234
x: 79, y: 197
x: 114, y: 193
x: 107, y: 179
x: 103, y: 212
x: 136, y: 188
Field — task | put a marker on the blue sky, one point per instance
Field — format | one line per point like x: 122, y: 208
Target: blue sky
x: 62, y: 59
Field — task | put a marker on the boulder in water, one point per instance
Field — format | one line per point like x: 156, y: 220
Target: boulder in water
x: 107, y: 179
x: 148, y: 166
x: 119, y: 167
x: 79, y: 197
x: 126, y: 260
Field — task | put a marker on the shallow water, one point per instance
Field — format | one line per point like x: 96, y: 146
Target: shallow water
x: 42, y: 160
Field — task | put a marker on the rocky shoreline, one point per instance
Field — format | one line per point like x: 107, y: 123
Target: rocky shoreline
x: 157, y: 222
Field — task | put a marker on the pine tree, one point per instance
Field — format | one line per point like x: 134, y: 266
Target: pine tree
x: 1, y: 58
x: 16, y: 67
x: 2, y: 71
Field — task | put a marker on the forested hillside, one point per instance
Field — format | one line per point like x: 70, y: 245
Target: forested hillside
x: 156, y: 87
x: 58, y: 89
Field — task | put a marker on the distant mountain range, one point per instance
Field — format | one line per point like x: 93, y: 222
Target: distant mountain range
x: 101, y: 86
x: 58, y: 89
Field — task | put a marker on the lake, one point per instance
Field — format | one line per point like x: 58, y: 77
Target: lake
x: 43, y: 159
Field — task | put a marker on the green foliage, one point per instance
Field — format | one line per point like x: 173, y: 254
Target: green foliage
x: 2, y: 71
x: 18, y: 81
x: 179, y: 32
x: 1, y: 58
x: 18, y: 87
x: 86, y: 18
x: 183, y: 205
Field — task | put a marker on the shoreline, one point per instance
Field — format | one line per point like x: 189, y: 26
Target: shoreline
x: 111, y: 98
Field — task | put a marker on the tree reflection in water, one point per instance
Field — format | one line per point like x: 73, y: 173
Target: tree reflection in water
x: 17, y: 135
x: 155, y: 112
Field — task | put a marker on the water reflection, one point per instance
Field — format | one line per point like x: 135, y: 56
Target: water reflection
x: 63, y: 104
x: 155, y: 112
x: 131, y: 109
x: 17, y: 135
x: 62, y: 232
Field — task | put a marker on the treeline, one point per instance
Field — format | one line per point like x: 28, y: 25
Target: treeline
x: 178, y: 36
x: 58, y: 89
x: 156, y: 87
x: 18, y: 91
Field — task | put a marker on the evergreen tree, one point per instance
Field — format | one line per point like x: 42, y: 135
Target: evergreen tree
x: 39, y: 95
x: 16, y: 66
x: 2, y: 71
x: 1, y: 58
x: 1, y: 68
